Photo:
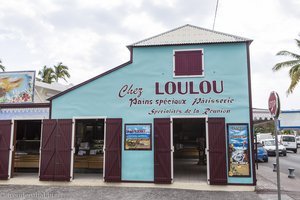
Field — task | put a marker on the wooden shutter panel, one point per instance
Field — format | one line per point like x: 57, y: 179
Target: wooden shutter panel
x: 217, y: 151
x: 188, y: 63
x: 63, y: 150
x: 47, y: 156
x: 162, y: 151
x: 56, y: 150
x: 5, y: 140
x: 113, y: 146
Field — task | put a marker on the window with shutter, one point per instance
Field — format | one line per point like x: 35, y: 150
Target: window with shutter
x: 188, y: 63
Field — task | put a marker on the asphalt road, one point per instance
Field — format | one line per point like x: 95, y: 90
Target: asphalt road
x: 291, y: 160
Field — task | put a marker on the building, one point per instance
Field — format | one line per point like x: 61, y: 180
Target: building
x: 20, y: 128
x: 180, y: 107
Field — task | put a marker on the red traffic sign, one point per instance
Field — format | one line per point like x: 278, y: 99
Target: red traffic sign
x: 274, y: 104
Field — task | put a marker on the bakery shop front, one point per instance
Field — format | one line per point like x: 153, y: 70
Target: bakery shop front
x: 179, y: 110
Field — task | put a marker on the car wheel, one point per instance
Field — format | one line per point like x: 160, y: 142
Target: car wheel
x: 284, y: 154
x: 295, y: 151
x: 266, y: 160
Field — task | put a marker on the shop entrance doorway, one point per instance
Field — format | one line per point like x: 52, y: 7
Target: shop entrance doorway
x: 164, y: 147
x: 189, y: 145
x: 88, y: 147
x: 27, y: 141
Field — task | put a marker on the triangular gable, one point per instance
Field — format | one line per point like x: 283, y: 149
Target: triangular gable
x: 189, y: 34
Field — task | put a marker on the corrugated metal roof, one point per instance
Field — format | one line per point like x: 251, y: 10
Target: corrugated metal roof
x: 189, y: 34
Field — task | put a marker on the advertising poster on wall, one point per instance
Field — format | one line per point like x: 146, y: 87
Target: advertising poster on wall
x: 238, y: 146
x: 137, y: 137
x: 17, y: 87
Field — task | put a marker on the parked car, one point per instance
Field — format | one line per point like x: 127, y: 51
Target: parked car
x: 262, y: 154
x: 298, y: 141
x: 270, y: 146
x: 289, y: 141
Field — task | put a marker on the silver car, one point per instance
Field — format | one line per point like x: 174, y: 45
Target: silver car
x: 270, y: 147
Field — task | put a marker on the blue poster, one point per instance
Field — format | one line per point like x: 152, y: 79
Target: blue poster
x: 137, y: 136
x: 238, y: 145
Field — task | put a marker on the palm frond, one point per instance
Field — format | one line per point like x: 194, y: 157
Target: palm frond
x: 295, y: 78
x: 298, y: 42
x: 285, y: 64
x: 2, y: 67
x: 288, y: 53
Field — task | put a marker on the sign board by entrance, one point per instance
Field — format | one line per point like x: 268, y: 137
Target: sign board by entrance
x: 274, y: 104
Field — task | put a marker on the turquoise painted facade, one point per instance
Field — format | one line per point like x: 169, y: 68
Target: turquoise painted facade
x: 136, y: 93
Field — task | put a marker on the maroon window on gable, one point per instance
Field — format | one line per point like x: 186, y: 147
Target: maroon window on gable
x: 188, y: 63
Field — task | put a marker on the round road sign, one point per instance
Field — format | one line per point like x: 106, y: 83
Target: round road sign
x: 274, y: 104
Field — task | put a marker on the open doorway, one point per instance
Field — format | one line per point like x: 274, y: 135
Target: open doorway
x: 189, y: 141
x: 27, y: 135
x: 89, y: 142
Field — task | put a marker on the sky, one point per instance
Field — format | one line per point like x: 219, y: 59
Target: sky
x: 90, y: 36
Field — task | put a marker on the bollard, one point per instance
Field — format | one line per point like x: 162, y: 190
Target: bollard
x: 291, y: 173
x: 275, y: 167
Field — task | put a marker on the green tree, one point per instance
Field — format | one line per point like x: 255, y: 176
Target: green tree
x: 49, y: 74
x: 1, y: 66
x: 293, y: 64
x: 46, y: 74
x: 61, y: 71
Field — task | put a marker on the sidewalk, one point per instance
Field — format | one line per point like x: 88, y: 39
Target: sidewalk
x: 95, y: 180
x: 267, y: 184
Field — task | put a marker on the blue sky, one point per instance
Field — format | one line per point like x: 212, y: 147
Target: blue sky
x: 91, y: 36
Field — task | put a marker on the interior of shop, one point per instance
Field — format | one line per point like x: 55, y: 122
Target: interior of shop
x: 189, y: 140
x: 89, y: 141
x: 27, y: 145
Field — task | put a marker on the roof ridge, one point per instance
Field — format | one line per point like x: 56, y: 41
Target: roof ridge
x: 231, y: 38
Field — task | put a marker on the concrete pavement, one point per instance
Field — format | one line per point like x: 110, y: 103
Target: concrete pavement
x: 95, y: 180
x: 267, y: 184
x: 27, y: 186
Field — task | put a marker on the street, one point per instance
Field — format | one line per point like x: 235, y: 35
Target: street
x: 291, y: 160
x: 267, y: 179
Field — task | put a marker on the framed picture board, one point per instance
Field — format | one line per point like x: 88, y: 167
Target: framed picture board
x: 238, y: 150
x: 17, y: 87
x: 138, y: 137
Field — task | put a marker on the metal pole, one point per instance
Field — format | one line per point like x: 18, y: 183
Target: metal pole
x: 277, y: 159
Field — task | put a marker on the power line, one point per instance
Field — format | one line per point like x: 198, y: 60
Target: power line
x: 215, y: 15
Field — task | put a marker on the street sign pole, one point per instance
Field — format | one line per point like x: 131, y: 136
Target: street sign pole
x: 277, y: 159
x: 274, y: 108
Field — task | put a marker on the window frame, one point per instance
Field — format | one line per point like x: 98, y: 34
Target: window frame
x: 188, y: 76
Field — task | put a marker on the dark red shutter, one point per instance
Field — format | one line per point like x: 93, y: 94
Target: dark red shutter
x: 56, y: 150
x: 47, y: 165
x: 162, y: 151
x: 5, y: 136
x: 63, y: 150
x: 113, y: 146
x: 188, y: 63
x: 217, y: 151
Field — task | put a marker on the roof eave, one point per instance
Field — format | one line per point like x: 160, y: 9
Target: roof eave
x: 181, y: 44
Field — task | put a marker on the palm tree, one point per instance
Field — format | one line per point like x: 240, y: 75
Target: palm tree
x: 1, y: 66
x: 293, y: 64
x: 61, y: 71
x: 47, y: 74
